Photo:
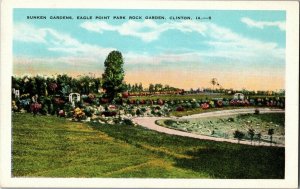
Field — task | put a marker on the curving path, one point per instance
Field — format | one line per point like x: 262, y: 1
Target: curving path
x: 149, y: 122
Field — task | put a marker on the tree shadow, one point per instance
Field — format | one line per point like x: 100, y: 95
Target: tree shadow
x: 242, y: 162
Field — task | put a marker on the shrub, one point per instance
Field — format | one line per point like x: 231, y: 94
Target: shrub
x: 157, y: 108
x: 169, y: 122
x: 179, y: 109
x: 79, y: 104
x: 143, y: 109
x: 226, y: 103
x: 25, y: 103
x: 252, y: 102
x: 137, y: 102
x: 212, y: 104
x: 88, y: 112
x: 195, y: 105
x: 138, y: 112
x: 109, y: 114
x: 238, y: 135
x: 44, y: 110
x: 220, y: 103
x: 231, y: 119
x: 270, y: 133
x: 14, y: 106
x: 251, y: 133
x: 160, y: 102
x: 128, y: 122
x: 188, y: 105
x: 159, y: 113
x: 68, y: 107
x: 104, y: 100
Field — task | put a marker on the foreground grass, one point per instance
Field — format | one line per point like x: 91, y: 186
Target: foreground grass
x: 54, y: 147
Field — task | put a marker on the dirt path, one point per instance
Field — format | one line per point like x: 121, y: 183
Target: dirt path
x: 149, y: 122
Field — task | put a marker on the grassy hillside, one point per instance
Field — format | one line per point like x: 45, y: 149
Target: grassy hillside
x: 46, y: 146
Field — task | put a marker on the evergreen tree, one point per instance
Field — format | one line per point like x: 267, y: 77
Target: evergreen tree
x: 113, y: 75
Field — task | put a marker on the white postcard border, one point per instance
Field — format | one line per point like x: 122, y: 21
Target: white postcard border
x: 292, y: 104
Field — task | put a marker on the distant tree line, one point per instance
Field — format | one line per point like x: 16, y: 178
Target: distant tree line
x: 138, y: 87
x: 59, y: 85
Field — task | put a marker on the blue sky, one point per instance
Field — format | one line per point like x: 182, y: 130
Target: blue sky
x: 250, y: 44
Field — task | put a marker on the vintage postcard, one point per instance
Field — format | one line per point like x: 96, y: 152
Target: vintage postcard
x: 149, y: 94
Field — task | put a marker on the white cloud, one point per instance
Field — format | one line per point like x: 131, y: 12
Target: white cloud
x: 222, y: 43
x: 27, y: 33
x: 134, y: 58
x: 71, y: 49
x: 148, y: 30
x: 262, y: 24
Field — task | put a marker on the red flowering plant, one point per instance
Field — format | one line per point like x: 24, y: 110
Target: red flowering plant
x: 35, y: 107
x: 241, y: 102
x: 104, y: 100
x: 125, y: 95
x: 233, y: 102
x: 205, y: 106
x: 61, y: 113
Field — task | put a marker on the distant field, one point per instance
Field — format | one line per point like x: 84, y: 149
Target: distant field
x: 182, y: 97
x: 201, y: 96
x: 47, y: 146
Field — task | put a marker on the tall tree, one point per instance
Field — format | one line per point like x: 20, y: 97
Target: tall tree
x: 151, y: 87
x: 270, y: 133
x: 113, y: 75
x: 214, y: 82
x: 140, y: 87
x: 251, y: 134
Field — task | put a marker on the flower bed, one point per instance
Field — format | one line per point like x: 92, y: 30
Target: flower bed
x: 91, y: 108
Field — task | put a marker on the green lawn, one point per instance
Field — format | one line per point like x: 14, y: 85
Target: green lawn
x: 46, y: 146
x: 192, y: 111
